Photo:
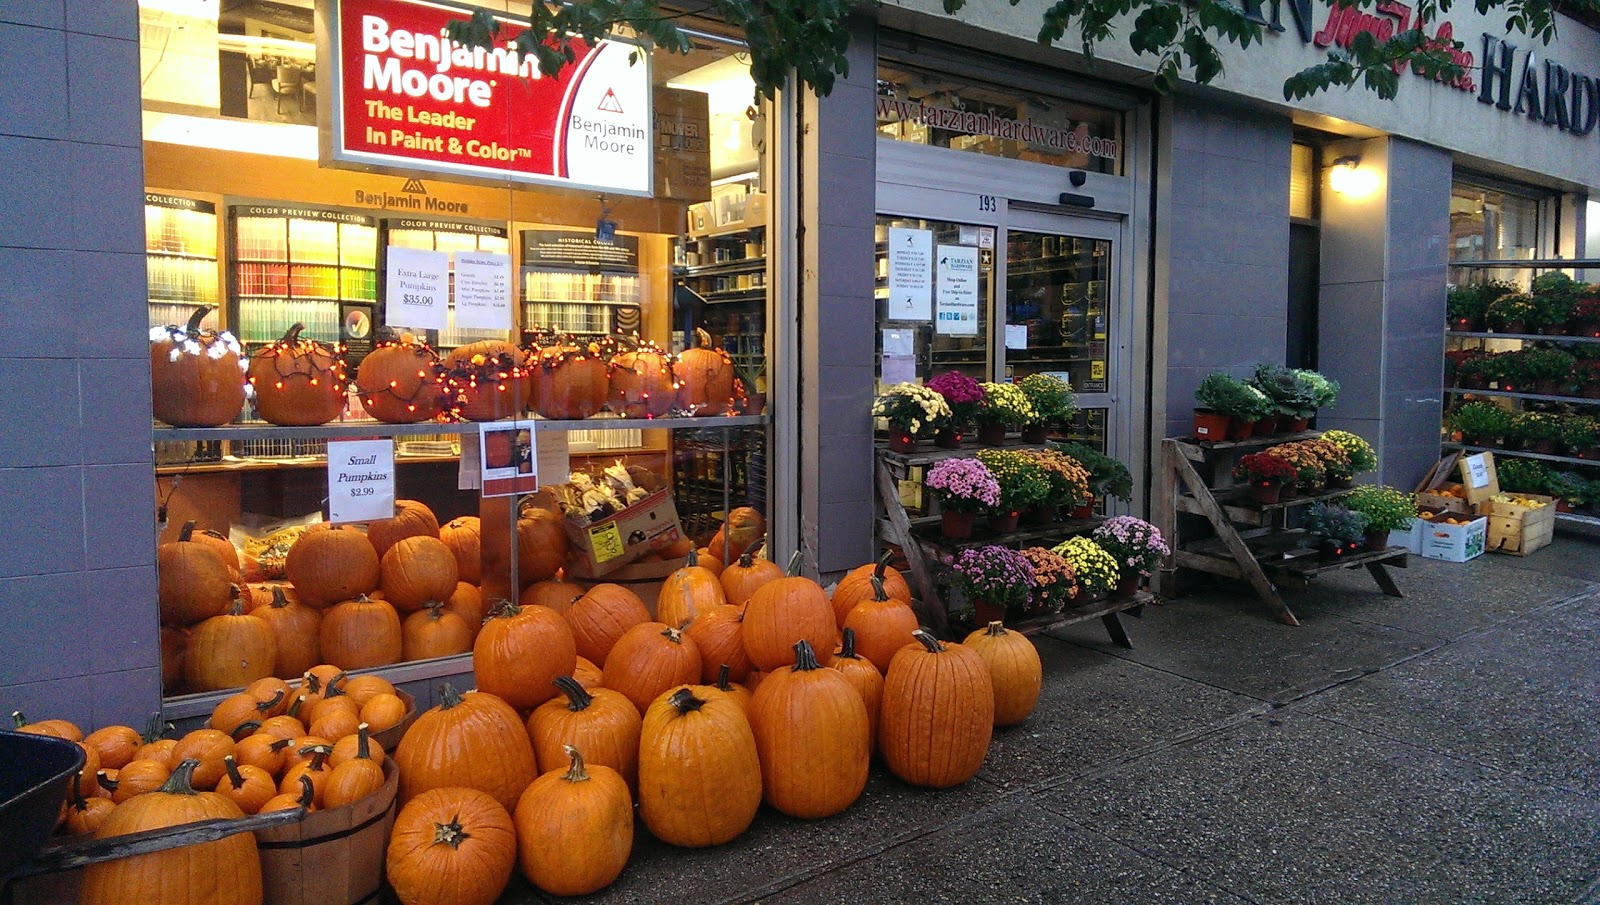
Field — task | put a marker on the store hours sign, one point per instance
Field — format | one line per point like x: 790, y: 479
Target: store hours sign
x: 409, y: 98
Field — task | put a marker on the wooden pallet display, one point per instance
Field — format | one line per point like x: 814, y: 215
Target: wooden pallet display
x: 924, y: 550
x: 1266, y: 554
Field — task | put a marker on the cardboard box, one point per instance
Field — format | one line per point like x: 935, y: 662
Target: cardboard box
x: 1411, y: 538
x: 1520, y: 530
x: 1454, y: 543
x: 1440, y: 502
x: 603, y: 546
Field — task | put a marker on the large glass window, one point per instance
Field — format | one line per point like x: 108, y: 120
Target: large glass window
x: 1490, y: 224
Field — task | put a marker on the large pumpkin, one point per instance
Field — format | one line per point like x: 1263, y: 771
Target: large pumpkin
x: 330, y: 564
x: 938, y: 713
x: 864, y: 678
x: 451, y: 845
x: 705, y: 378
x: 229, y: 651
x: 299, y: 381
x: 743, y: 577
x: 193, y: 581
x: 1014, y: 670
x: 601, y: 616
x: 411, y: 519
x: 434, y: 632
x: 650, y: 659
x: 719, y: 635
x: 601, y: 721
x: 574, y: 828
x: 196, y: 376
x: 463, y: 537
x: 699, y: 777
x: 226, y: 871
x: 741, y: 531
x: 542, y: 545
x: 642, y: 382
x: 486, y: 380
x: 473, y: 740
x: 416, y: 571
x: 400, y: 381
x: 571, y: 380
x: 361, y: 632
x: 297, y: 630
x: 785, y: 611
x: 174, y: 641
x: 519, y: 653
x: 856, y: 587
x: 882, y: 626
x: 554, y: 593
x: 812, y: 738
x: 687, y: 593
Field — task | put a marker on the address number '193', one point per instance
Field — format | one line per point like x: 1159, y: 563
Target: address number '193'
x: 987, y: 203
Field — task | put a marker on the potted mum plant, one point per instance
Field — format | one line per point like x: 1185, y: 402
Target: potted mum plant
x: 1137, y: 547
x: 1580, y: 436
x: 1589, y: 378
x: 1474, y: 371
x: 1342, y: 530
x: 1107, y: 476
x: 994, y: 579
x: 1311, y: 476
x: 1265, y: 474
x: 1004, y: 404
x: 1023, y: 485
x: 1229, y: 408
x: 964, y: 487
x: 1068, y: 486
x: 1546, y: 371
x: 1053, y: 582
x: 1053, y: 403
x: 1586, y: 313
x: 1511, y: 313
x: 910, y: 408
x: 1465, y: 307
x: 1480, y: 423
x: 1358, y: 451
x: 1536, y: 432
x: 1096, y: 570
x: 1385, y: 509
x: 1335, y: 461
x: 1555, y: 296
x: 1522, y: 475
x: 965, y: 397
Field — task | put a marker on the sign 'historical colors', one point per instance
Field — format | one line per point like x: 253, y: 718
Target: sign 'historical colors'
x: 409, y: 97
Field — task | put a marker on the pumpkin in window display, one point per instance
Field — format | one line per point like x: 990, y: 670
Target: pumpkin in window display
x: 572, y: 379
x: 400, y: 380
x: 705, y: 378
x: 642, y: 382
x: 196, y: 376
x: 299, y: 381
x: 486, y: 381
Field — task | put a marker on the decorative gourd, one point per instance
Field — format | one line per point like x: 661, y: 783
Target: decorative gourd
x: 355, y: 778
x: 642, y: 382
x: 705, y: 378
x: 520, y: 651
x: 552, y: 593
x: 229, y: 651
x: 466, y: 601
x: 246, y: 786
x: 743, y: 530
x: 207, y: 748
x: 116, y: 745
x: 241, y: 713
x: 196, y: 376
x: 651, y: 658
x: 400, y: 381
x: 601, y: 616
x: 864, y: 678
x: 882, y: 625
x: 688, y: 593
x: 1014, y: 670
x: 139, y: 776
x: 314, y: 768
x: 434, y: 632
x: 451, y: 847
x: 360, y: 633
x: 485, y: 380
x: 574, y: 828
x: 416, y: 571
x: 602, y: 722
x: 542, y: 545
x: 782, y: 612
x: 571, y: 380
x: 718, y: 633
x: 474, y: 740
x: 348, y: 747
x: 383, y: 712
x: 299, y: 381
x: 811, y: 732
x: 262, y: 751
x: 362, y: 689
x: 938, y: 713
x: 193, y: 581
x: 296, y: 629
x: 231, y: 867
x: 588, y: 675
x: 330, y: 564
x: 464, y: 538
x: 741, y: 579
x: 855, y: 587
x: 411, y: 519
x: 699, y: 778
x: 303, y: 797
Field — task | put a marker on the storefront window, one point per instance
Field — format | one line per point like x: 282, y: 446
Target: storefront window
x: 1489, y: 224
x: 931, y: 319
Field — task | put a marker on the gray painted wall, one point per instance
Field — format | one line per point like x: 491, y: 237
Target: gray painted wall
x: 77, y: 561
x: 1228, y: 282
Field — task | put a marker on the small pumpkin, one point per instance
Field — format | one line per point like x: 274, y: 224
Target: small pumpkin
x: 139, y: 776
x: 856, y: 587
x: 602, y: 616
x: 687, y: 593
x: 360, y: 633
x: 743, y: 530
x: 553, y: 593
x: 451, y: 845
x: 355, y: 778
x: 741, y: 579
x: 315, y: 768
x: 159, y: 750
x: 330, y: 564
x: 542, y: 545
x: 401, y: 381
x: 241, y: 713
x: 650, y: 659
x: 574, y: 828
x: 299, y: 381
x: 882, y: 625
x: 812, y: 738
x: 588, y: 675
x: 782, y: 612
x: 304, y: 797
x: 116, y: 745
x: 938, y: 713
x: 710, y: 562
x: 705, y: 378
x: 571, y: 380
x: 229, y: 651
x: 864, y: 677
x: 273, y: 692
x: 348, y: 747
x: 54, y: 728
x: 336, y: 722
x: 642, y: 382
x: 364, y: 688
x: 718, y: 633
x: 196, y: 375
x: 473, y: 740
x: 284, y: 727
x: 383, y: 712
x: 415, y: 571
x: 733, y: 690
x: 262, y: 751
x: 464, y: 538
x: 194, y: 582
x: 434, y: 632
x: 601, y: 721
x: 84, y: 816
x: 296, y: 629
x: 411, y: 519
x: 246, y: 786
x: 699, y: 777
x: 1014, y: 670
x: 485, y: 380
x: 207, y: 748
x: 520, y: 651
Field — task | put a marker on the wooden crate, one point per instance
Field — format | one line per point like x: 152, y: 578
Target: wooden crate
x: 1520, y: 530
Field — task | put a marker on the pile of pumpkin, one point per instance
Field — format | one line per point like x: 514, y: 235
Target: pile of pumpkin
x: 200, y: 378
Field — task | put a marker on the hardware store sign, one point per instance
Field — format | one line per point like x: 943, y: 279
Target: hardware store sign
x: 409, y: 97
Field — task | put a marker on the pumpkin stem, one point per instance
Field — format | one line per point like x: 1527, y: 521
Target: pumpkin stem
x: 181, y: 782
x: 280, y: 744
x: 193, y: 327
x: 504, y: 609
x: 244, y: 729
x: 232, y: 766
x: 794, y: 564
x: 236, y: 605
x: 187, y: 531
x: 264, y: 706
x: 928, y: 641
x: 312, y: 683
x: 292, y: 335
x: 575, y: 773
x: 78, y: 801
x: 451, y: 833
x: 363, y: 742
x: 448, y: 696
x: 996, y: 628
x: 693, y: 559
x: 684, y: 701
x: 879, y: 595
x: 154, y: 728
x: 673, y: 635
x: 319, y: 756
x: 18, y: 720
x: 722, y: 678
x: 108, y: 782
x: 703, y: 337
x: 308, y: 792
x: 847, y: 644
x: 578, y: 698
x: 882, y: 568
x: 279, y: 599
x: 805, y: 659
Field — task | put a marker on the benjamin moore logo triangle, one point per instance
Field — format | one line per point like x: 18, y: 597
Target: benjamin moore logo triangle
x: 609, y: 102
x: 414, y: 187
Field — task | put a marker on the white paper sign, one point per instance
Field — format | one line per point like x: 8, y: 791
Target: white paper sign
x: 910, y: 274
x: 417, y: 291
x: 555, y: 461
x: 899, y: 369
x: 1477, y: 471
x: 986, y: 237
x: 1016, y: 336
x: 360, y: 480
x: 958, y: 291
x: 483, y: 290
x: 899, y: 342
x: 468, y: 474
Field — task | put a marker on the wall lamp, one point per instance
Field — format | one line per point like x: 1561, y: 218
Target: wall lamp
x: 1348, y: 178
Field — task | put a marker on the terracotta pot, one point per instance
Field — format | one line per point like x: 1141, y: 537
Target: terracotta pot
x: 1563, y: 506
x: 1035, y: 433
x: 1210, y: 426
x: 1513, y: 327
x: 1084, y: 511
x: 985, y: 613
x: 1240, y: 429
x: 1553, y: 330
x: 1328, y: 551
x: 1127, y: 586
x: 1296, y: 425
x: 1590, y: 391
x: 991, y: 434
x: 948, y: 439
x: 1377, y: 541
x: 1288, y: 491
x: 1577, y: 327
x: 1268, y: 426
x: 1550, y: 388
x: 1543, y: 447
x: 1042, y: 515
x: 902, y: 442
x: 956, y: 525
x: 1342, y: 483
x: 1314, y: 488
x: 1265, y: 492
x: 1004, y: 522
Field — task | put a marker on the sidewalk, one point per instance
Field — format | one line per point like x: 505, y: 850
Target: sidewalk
x: 1441, y: 748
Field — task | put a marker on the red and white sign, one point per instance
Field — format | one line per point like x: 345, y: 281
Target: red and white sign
x: 409, y: 97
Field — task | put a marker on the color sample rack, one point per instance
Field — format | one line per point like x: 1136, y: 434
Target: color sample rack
x: 302, y: 265
x: 180, y: 241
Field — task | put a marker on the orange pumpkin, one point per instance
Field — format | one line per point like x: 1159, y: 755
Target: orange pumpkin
x: 864, y: 678
x: 351, y: 745
x: 741, y: 579
x: 196, y: 376
x: 651, y: 658
x: 299, y: 381
x: 710, y: 562
x: 718, y: 634
x: 520, y: 651
x: 241, y: 713
x: 938, y: 713
x: 229, y: 651
x: 53, y: 728
x: 705, y: 378
x: 360, y: 633
x: 158, y: 750
x: 303, y: 797
x: 262, y: 751
x: 384, y: 711
x: 464, y: 538
x: 466, y: 601
x: 571, y: 380
x: 642, y: 382
x: 782, y: 612
x: 486, y: 380
x: 473, y: 740
x: 601, y: 721
x: 415, y: 571
x: 434, y: 632
x: 411, y: 519
x: 207, y: 747
x: 743, y: 530
x: 315, y: 768
x: 601, y: 616
x: 812, y: 738
x: 552, y: 593
x: 856, y: 588
x: 574, y: 828
x: 116, y: 745
x: 364, y: 688
x: 246, y: 786
x: 400, y: 381
x: 737, y: 693
x: 542, y: 545
x: 356, y: 778
x: 687, y: 593
x: 330, y: 564
x: 296, y: 629
x: 1014, y: 670
x: 451, y: 845
x: 139, y: 776
x: 588, y: 675
x: 194, y: 582
x: 699, y: 777
x: 882, y: 626
x: 84, y: 816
